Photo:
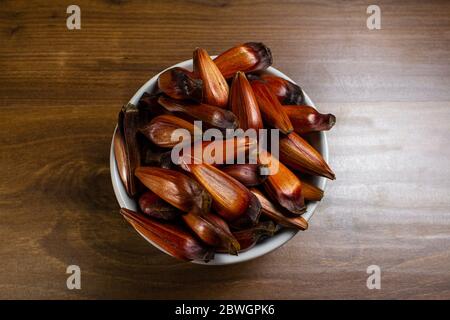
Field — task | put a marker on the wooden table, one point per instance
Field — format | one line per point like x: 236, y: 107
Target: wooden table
x: 60, y: 91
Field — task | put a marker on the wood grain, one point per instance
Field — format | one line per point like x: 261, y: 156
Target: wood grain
x: 60, y: 92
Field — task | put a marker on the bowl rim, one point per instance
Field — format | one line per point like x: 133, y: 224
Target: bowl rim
x: 261, y: 248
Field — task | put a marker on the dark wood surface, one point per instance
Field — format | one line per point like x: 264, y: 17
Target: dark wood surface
x: 60, y: 92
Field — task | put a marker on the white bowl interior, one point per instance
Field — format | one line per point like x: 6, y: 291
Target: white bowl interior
x: 319, y: 141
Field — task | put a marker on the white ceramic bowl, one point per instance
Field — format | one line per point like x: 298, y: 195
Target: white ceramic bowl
x: 319, y: 141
